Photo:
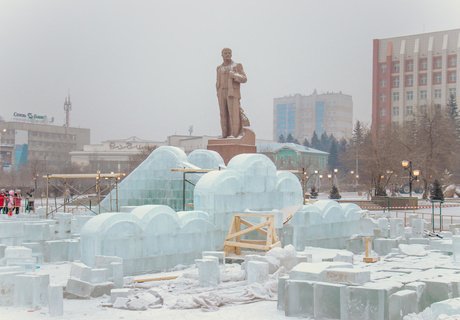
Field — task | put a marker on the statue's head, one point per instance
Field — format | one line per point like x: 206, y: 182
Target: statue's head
x: 226, y: 53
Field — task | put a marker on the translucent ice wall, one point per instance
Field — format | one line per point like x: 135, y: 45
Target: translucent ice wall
x: 250, y: 181
x: 326, y: 224
x: 153, y: 182
x: 150, y: 238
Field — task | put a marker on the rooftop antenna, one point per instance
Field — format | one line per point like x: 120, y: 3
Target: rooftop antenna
x: 67, y: 108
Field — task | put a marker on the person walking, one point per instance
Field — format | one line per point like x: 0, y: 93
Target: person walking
x: 17, y: 201
x: 10, y: 202
x: 3, y: 201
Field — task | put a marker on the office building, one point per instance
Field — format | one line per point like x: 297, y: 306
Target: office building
x: 34, y: 139
x: 300, y: 115
x: 413, y: 75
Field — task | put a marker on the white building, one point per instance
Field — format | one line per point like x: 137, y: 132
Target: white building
x: 300, y: 115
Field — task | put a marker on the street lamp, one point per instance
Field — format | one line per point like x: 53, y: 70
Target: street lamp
x: 413, y: 173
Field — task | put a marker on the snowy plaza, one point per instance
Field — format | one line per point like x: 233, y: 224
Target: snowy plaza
x: 150, y: 261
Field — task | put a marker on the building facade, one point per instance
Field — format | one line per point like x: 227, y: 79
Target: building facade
x: 118, y: 155
x: 300, y: 115
x: 37, y: 141
x: 413, y: 75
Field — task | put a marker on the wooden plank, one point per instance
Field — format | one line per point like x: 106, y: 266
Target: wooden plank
x: 248, y: 224
x: 141, y: 280
x: 247, y: 230
x: 245, y: 245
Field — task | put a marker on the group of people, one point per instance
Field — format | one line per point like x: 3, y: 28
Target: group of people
x: 10, y: 201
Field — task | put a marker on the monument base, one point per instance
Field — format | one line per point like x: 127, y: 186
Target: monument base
x: 230, y: 147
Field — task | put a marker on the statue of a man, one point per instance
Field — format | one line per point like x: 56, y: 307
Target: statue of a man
x: 229, y: 77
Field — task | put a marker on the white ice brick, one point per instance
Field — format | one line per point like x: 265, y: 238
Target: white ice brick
x: 7, y: 283
x: 257, y: 271
x: 299, y: 299
x: 99, y: 275
x: 208, y: 271
x: 117, y: 274
x: 419, y: 288
x: 79, y: 288
x: 219, y: 254
x: 20, y: 252
x: 331, y: 293
x: 55, y: 301
x: 80, y: 271
x: 347, y: 276
x: 418, y: 227
x: 396, y: 227
x: 402, y: 303
x: 117, y: 293
x: 383, y: 246
x: 313, y: 271
x: 456, y: 248
x: 31, y: 290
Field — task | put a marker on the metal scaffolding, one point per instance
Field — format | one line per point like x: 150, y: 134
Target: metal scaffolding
x: 103, y: 182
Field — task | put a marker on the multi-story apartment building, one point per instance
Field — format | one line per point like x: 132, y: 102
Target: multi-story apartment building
x: 413, y: 75
x: 31, y: 137
x: 300, y: 115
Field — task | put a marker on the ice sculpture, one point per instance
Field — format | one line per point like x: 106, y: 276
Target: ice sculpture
x: 327, y: 224
x: 150, y: 238
x: 153, y: 182
x: 250, y: 181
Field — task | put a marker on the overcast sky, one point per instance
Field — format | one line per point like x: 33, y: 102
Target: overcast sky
x: 148, y: 68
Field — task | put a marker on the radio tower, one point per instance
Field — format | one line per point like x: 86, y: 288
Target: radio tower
x: 67, y: 108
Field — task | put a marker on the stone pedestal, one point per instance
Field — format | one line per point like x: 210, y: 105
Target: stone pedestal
x: 230, y: 147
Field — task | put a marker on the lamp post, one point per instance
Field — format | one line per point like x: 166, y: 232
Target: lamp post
x: 413, y: 173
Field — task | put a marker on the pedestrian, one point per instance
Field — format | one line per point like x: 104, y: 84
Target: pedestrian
x: 10, y: 202
x: 3, y: 201
x: 17, y: 201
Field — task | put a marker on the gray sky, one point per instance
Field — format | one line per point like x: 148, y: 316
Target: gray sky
x: 147, y: 68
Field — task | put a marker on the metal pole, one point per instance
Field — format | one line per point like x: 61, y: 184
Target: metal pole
x: 110, y: 194
x: 410, y: 178
x: 440, y: 216
x: 183, y: 191
x: 432, y: 215
x: 47, y: 193
x: 116, y: 195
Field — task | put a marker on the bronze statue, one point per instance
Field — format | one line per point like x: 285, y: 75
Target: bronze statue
x: 229, y: 77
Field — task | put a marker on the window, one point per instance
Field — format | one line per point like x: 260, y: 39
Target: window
x: 382, y: 112
x: 395, y: 111
x: 396, y: 96
x: 383, y: 67
x: 437, y: 63
x: 437, y: 77
x: 452, y: 77
x: 437, y: 93
x: 423, y: 94
x: 453, y: 61
x: 452, y: 92
x: 382, y: 83
x: 396, y: 66
x: 395, y: 82
x: 409, y: 95
x: 382, y: 97
x: 423, y: 109
x: 409, y: 81
x: 409, y: 110
x: 423, y: 79
x: 409, y: 65
x: 423, y: 65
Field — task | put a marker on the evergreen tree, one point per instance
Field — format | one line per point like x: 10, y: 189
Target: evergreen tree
x: 315, y: 143
x: 281, y: 138
x: 333, y: 158
x: 296, y: 141
x: 313, y: 193
x: 290, y: 138
x: 306, y: 143
x: 334, y: 194
x: 452, y: 107
x: 325, y: 142
x: 358, y: 133
x: 436, y: 191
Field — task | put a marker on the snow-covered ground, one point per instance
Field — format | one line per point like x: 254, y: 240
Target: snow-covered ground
x: 244, y: 302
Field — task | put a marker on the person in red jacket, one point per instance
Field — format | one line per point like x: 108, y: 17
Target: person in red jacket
x: 17, y: 201
x: 2, y: 201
